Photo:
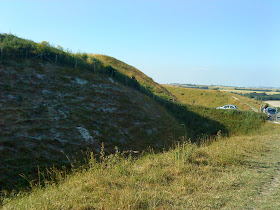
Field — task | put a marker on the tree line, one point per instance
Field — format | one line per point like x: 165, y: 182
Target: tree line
x: 262, y: 96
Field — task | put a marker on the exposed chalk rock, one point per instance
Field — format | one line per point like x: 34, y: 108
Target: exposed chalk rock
x: 85, y: 134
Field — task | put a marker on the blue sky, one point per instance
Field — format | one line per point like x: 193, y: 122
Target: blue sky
x: 226, y: 42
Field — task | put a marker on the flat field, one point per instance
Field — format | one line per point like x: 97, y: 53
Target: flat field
x: 273, y: 103
x: 249, y: 91
x: 239, y: 90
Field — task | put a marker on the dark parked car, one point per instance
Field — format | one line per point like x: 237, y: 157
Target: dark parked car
x: 271, y: 113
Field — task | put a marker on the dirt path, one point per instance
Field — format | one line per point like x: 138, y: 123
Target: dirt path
x: 269, y: 197
x: 254, y: 109
x: 260, y: 175
x: 272, y: 186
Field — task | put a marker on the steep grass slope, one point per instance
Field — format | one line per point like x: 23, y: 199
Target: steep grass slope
x: 130, y: 71
x: 50, y: 112
x: 229, y: 173
x: 212, y: 98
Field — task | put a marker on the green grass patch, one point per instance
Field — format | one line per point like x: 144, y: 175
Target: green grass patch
x: 212, y: 98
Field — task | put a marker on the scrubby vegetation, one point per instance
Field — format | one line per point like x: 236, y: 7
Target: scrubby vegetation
x: 221, y: 173
x: 13, y: 47
x: 16, y: 49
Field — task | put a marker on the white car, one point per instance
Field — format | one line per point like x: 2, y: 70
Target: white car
x: 228, y: 106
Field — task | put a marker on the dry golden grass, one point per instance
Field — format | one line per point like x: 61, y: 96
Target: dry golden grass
x: 130, y: 71
x: 212, y: 98
x: 223, y: 173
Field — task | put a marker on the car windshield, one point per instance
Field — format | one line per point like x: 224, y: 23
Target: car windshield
x: 271, y: 111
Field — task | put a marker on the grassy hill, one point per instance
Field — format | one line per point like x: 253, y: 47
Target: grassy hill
x: 212, y: 98
x: 145, y: 81
x: 47, y: 110
x: 53, y: 108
